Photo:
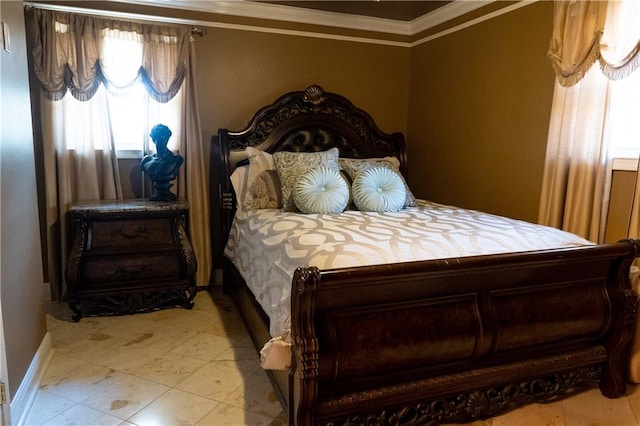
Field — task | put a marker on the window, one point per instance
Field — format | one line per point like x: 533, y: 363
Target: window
x: 133, y: 113
x: 130, y: 110
x: 618, y: 43
x: 624, y: 117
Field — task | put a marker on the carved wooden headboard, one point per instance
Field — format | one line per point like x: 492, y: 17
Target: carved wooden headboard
x: 301, y: 121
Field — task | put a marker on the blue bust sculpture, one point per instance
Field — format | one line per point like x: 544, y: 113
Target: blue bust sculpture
x: 161, y: 167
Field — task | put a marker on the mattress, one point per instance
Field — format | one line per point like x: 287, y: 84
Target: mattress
x: 267, y: 246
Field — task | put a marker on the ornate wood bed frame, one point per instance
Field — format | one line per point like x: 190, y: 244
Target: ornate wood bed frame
x: 430, y: 341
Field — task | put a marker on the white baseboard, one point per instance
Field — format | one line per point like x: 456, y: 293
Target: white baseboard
x: 23, y: 400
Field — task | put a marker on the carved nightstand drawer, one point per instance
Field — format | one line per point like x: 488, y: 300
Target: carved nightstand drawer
x: 118, y: 269
x: 129, y: 256
x: 132, y: 232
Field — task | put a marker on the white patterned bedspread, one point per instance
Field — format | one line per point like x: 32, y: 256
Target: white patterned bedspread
x: 268, y: 245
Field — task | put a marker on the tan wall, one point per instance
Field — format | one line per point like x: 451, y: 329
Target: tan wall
x: 240, y: 71
x: 22, y: 285
x: 479, y: 110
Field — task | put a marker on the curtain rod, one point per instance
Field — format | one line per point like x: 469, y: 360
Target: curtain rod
x: 194, y: 30
x: 198, y: 31
x: 117, y: 15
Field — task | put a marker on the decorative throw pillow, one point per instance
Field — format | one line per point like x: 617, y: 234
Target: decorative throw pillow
x: 291, y: 165
x: 379, y: 189
x: 239, y: 183
x: 321, y: 190
x: 353, y: 166
x: 263, y: 186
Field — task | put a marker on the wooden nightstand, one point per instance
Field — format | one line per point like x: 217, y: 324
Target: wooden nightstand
x: 129, y: 256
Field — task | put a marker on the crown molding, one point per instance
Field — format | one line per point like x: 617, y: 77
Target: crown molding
x: 298, y: 15
x: 168, y: 19
x: 274, y: 12
x: 445, y: 13
x: 472, y: 22
x: 251, y: 9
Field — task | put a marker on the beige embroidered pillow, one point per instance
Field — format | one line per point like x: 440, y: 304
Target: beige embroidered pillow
x: 263, y: 185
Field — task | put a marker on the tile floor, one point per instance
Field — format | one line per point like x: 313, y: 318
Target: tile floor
x: 198, y: 367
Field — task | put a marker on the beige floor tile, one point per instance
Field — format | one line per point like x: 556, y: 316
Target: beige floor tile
x: 256, y: 395
x: 204, y: 346
x: 592, y: 408
x: 81, y: 415
x: 242, y: 358
x: 224, y: 310
x: 101, y: 323
x: 46, y: 406
x: 122, y: 395
x: 225, y: 414
x: 130, y: 327
x: 166, y: 337
x: 220, y: 299
x: 192, y: 319
x: 174, y: 408
x: 214, y: 381
x: 242, y: 342
x: 204, y: 301
x: 65, y: 332
x: 282, y: 420
x: 96, y: 344
x: 129, y: 357
x: 633, y: 396
x: 72, y: 378
x: 170, y: 368
x: 536, y: 414
x: 231, y: 329
x: 162, y: 315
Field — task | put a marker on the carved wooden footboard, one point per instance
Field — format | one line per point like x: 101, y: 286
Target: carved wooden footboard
x: 458, y: 339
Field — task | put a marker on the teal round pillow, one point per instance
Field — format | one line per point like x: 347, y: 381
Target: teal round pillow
x: 321, y: 190
x: 378, y: 189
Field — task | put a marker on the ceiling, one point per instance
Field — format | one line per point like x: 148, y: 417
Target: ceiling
x: 389, y: 9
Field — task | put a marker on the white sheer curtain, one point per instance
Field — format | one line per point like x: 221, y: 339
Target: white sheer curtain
x: 79, y: 164
x: 84, y: 64
x: 576, y: 175
x: 575, y: 190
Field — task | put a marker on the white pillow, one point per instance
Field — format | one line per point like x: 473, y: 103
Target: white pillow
x: 379, y: 189
x: 321, y: 190
x: 239, y: 183
x: 291, y: 165
x: 353, y: 166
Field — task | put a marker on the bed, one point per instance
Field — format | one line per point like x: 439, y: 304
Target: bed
x: 446, y: 338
